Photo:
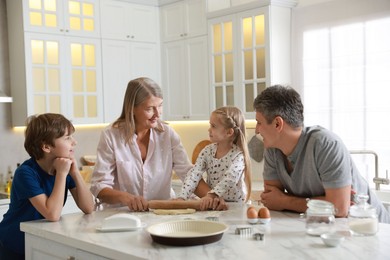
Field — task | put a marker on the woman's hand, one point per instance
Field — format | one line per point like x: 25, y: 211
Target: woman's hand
x: 135, y: 203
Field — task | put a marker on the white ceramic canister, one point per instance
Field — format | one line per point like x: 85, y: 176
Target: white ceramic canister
x: 320, y: 217
x: 363, y: 219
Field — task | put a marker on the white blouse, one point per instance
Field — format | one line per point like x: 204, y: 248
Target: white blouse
x: 225, y: 176
x: 119, y: 165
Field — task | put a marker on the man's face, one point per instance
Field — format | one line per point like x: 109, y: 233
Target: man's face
x: 267, y: 131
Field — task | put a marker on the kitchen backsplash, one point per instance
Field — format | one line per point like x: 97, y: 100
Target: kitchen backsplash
x: 12, y: 149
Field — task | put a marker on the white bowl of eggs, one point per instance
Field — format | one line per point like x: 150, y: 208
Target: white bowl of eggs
x: 255, y: 216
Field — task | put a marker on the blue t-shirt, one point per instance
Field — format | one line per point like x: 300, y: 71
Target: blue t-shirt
x: 29, y: 181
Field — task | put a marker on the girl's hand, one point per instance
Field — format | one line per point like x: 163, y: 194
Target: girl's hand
x: 206, y: 202
x: 212, y: 201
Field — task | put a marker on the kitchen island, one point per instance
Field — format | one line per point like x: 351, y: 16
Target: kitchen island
x: 75, y: 237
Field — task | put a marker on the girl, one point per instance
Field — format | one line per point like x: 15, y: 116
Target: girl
x: 226, y: 160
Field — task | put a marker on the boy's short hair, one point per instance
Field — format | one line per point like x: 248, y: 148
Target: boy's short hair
x: 44, y: 129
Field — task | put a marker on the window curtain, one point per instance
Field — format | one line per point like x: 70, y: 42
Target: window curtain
x: 341, y: 67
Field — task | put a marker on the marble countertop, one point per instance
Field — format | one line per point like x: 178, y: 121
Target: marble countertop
x: 285, y: 238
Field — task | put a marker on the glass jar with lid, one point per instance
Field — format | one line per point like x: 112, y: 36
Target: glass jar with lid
x: 320, y: 217
x: 363, y: 219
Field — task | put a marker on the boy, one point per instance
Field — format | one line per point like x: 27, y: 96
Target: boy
x: 40, y: 185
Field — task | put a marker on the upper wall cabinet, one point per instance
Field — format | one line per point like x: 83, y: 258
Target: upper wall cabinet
x: 73, y: 17
x: 130, y: 49
x: 185, y: 74
x: 55, y: 72
x: 249, y: 51
x: 184, y: 19
x: 185, y: 62
x: 126, y: 21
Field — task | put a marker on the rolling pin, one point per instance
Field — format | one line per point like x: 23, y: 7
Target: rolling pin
x: 174, y: 204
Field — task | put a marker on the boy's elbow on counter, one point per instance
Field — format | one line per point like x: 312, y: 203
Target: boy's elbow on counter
x: 88, y: 211
x: 53, y: 218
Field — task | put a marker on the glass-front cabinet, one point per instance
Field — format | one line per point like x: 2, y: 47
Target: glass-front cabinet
x: 244, y: 57
x: 63, y: 68
x: 55, y: 59
x: 77, y: 17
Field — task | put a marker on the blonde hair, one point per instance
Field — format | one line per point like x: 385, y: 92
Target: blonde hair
x: 232, y: 117
x: 138, y: 90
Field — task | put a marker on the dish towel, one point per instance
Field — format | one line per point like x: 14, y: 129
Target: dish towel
x: 256, y: 149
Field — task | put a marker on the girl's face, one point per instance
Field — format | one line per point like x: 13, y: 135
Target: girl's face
x: 64, y: 146
x: 217, y: 132
x: 147, y: 113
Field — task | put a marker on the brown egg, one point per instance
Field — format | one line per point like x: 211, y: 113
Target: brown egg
x: 251, y: 212
x: 264, y: 213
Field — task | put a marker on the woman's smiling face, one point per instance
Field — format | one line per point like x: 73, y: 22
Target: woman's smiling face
x: 148, y: 112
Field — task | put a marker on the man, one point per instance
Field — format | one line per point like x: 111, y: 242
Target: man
x: 302, y: 163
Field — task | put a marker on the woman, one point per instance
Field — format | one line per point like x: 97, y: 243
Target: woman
x: 137, y: 154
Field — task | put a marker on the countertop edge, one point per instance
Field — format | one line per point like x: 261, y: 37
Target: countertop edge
x: 30, y: 228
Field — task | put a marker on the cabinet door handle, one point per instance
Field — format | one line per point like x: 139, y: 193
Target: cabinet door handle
x: 71, y: 258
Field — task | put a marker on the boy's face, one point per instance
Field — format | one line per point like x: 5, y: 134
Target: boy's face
x: 64, y: 146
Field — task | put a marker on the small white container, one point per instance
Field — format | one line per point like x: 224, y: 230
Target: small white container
x: 363, y: 219
x: 332, y: 239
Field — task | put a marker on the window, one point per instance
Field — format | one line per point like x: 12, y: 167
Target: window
x: 346, y: 83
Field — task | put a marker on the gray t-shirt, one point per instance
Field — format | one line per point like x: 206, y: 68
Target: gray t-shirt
x: 320, y: 161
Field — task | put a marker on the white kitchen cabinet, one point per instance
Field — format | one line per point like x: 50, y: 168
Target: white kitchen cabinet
x: 250, y: 50
x: 130, y: 49
x: 123, y: 61
x: 38, y: 248
x: 185, y: 79
x: 127, y: 21
x: 73, y: 17
x: 51, y: 72
x: 183, y: 19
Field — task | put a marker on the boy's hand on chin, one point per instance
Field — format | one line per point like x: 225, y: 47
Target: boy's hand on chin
x: 62, y: 165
